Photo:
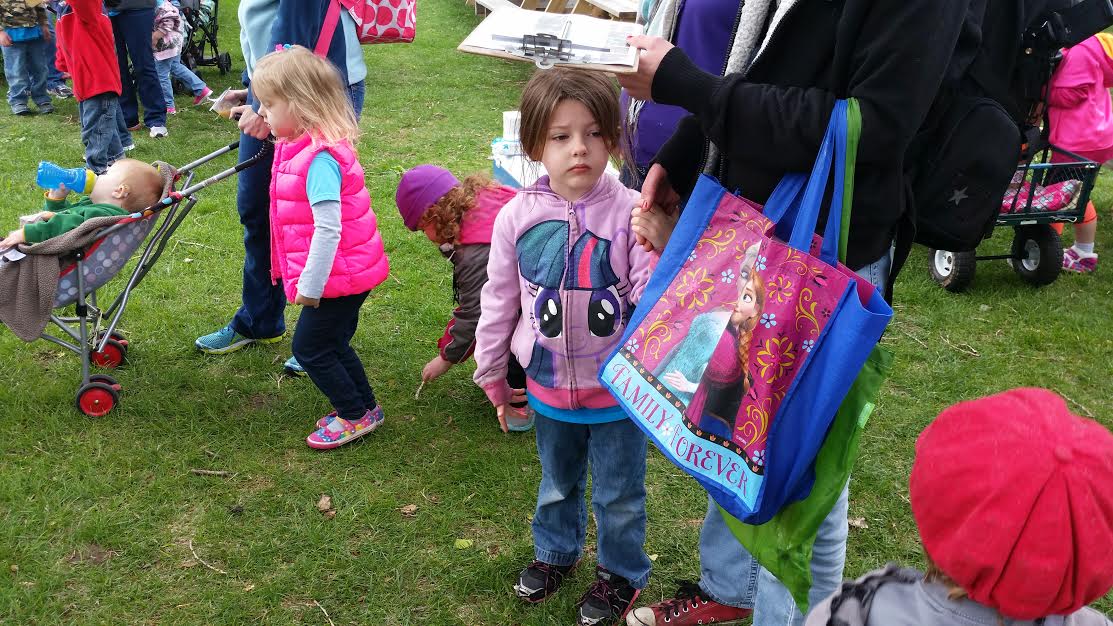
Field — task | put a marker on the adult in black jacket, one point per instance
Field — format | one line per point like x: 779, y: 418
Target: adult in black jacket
x: 790, y: 61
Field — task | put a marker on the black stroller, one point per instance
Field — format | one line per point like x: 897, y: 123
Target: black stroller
x: 201, y: 47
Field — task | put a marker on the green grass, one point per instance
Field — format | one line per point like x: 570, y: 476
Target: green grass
x: 97, y: 515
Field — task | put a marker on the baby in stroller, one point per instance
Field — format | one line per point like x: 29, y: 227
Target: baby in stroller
x: 126, y: 187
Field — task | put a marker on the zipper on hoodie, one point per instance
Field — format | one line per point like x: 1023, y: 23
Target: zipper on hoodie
x: 722, y: 72
x: 570, y: 365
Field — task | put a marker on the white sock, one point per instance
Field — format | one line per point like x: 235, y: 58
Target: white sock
x: 1084, y: 248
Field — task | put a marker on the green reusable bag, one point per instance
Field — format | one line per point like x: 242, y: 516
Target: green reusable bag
x: 783, y: 545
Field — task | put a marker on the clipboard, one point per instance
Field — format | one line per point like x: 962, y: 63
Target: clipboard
x: 549, y: 40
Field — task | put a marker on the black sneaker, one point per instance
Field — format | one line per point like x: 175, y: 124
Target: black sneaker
x: 607, y: 600
x: 540, y: 580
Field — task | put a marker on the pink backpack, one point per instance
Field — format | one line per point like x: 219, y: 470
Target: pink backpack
x: 377, y: 21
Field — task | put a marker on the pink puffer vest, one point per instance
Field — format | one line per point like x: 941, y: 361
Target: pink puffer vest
x: 361, y: 262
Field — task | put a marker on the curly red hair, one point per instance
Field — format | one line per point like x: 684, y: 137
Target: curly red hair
x: 446, y: 214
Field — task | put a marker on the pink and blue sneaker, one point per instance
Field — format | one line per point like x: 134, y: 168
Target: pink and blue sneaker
x: 1079, y: 262
x: 338, y: 431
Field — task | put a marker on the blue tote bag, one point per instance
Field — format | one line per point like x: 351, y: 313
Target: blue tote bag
x: 755, y: 334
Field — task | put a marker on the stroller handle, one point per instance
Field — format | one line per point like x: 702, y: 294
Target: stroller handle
x: 209, y: 157
x: 266, y: 150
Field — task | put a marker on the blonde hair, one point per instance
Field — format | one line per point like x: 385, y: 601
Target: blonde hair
x: 144, y: 184
x: 314, y: 90
x: 545, y: 91
x: 446, y: 214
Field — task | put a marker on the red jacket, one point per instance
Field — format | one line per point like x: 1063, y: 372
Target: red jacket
x: 87, y: 50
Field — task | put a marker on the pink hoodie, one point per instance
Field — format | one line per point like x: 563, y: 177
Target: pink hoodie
x: 563, y: 280
x: 1079, y: 107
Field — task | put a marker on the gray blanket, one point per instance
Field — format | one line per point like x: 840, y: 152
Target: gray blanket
x: 29, y: 285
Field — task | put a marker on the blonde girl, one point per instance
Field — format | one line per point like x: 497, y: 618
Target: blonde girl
x: 325, y: 243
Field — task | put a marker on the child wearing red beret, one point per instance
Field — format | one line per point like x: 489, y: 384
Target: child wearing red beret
x: 1013, y: 498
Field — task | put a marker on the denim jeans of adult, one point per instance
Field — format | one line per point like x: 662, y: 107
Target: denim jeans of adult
x: 132, y: 30
x: 729, y: 575
x: 616, y: 452
x: 101, y: 126
x: 54, y: 78
x: 173, y: 67
x: 260, y: 312
x: 322, y: 345
x: 25, y: 71
x: 356, y: 93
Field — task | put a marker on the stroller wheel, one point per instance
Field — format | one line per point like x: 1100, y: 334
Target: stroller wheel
x: 112, y: 356
x: 106, y: 379
x: 224, y: 62
x: 115, y: 335
x: 954, y: 271
x: 96, y: 399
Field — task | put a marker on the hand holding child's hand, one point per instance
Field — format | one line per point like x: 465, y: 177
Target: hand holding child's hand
x: 653, y: 227
x: 501, y: 410
x: 14, y: 238
x: 5, y: 39
x: 435, y: 369
x: 302, y: 300
x: 56, y: 194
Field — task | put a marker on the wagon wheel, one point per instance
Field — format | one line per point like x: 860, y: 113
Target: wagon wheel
x: 1037, y: 254
x: 954, y: 271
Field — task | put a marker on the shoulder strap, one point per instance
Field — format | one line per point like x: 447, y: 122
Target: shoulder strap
x: 328, y: 28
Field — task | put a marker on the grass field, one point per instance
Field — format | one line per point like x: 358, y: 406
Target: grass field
x: 102, y: 521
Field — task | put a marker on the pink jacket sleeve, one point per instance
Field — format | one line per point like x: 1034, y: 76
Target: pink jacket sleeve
x: 642, y: 264
x: 500, y: 308
x: 1067, y: 97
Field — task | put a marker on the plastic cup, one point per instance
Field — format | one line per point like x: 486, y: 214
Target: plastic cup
x: 222, y: 106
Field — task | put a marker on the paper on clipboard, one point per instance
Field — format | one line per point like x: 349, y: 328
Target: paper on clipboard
x: 548, y: 39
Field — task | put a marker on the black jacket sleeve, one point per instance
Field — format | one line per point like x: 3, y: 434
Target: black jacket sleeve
x: 898, y: 59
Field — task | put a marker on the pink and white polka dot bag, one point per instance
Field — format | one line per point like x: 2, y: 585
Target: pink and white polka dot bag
x: 377, y: 21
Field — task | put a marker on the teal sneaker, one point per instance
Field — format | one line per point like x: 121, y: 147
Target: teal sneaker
x: 293, y: 368
x: 227, y: 340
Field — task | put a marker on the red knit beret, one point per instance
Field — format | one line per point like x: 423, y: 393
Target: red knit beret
x: 1013, y: 496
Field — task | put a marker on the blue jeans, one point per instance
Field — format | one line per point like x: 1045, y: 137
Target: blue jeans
x: 53, y: 76
x: 729, y: 575
x: 260, y: 312
x: 25, y: 70
x: 322, y: 346
x: 132, y: 30
x: 173, y: 67
x: 616, y: 451
x: 103, y: 131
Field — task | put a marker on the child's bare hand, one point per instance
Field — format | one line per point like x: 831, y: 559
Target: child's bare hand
x: 302, y: 300
x: 501, y: 411
x: 654, y: 226
x: 14, y: 238
x: 435, y: 369
x: 56, y: 194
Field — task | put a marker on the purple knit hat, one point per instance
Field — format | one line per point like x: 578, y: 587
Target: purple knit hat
x: 421, y: 187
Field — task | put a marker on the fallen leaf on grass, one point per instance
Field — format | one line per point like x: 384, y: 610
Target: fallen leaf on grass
x: 249, y: 588
x: 188, y: 563
x: 493, y: 549
x: 463, y: 544
x: 14, y: 568
x: 653, y: 557
x: 325, y: 503
x: 410, y: 510
x: 91, y: 553
x: 331, y: 513
x: 858, y: 522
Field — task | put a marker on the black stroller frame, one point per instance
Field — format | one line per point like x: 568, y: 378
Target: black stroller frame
x: 201, y: 38
x: 83, y: 332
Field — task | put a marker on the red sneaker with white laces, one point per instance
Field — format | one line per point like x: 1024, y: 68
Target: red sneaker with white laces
x: 689, y: 606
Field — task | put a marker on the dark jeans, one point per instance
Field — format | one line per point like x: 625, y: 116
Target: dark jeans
x: 322, y: 346
x: 260, y: 313
x: 103, y: 131
x: 132, y: 30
